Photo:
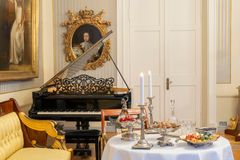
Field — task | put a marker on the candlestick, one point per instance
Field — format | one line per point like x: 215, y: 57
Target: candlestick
x: 141, y: 89
x: 150, y: 108
x: 142, y: 143
x: 149, y: 83
x: 150, y: 130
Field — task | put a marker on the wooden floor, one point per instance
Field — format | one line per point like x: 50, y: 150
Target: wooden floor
x: 235, y: 148
x: 84, y: 157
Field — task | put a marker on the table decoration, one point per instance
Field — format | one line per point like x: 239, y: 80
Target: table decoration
x: 150, y: 84
x: 212, y: 130
x: 173, y: 118
x: 150, y: 98
x: 127, y: 121
x: 164, y: 128
x: 200, y: 139
x: 150, y: 130
x: 142, y: 89
x: 142, y: 143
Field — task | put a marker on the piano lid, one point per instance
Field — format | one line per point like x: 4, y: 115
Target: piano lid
x: 80, y: 62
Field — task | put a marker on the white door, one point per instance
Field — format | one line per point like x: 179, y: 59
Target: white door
x: 147, y: 50
x: 183, y: 58
x: 162, y: 36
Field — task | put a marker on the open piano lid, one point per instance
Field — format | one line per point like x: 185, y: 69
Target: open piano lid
x: 80, y: 62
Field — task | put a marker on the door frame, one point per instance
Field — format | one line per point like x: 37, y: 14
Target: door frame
x: 211, y: 62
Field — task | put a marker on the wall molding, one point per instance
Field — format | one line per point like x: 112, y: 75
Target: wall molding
x: 228, y: 96
x: 211, y: 64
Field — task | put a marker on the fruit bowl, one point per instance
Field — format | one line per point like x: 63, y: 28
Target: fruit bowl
x: 128, y: 122
x: 200, y: 139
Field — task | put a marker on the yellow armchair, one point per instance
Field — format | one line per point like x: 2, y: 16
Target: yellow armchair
x: 24, y: 138
x: 44, y: 126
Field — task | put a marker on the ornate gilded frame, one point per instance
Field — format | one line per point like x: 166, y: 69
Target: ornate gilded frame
x: 77, y: 19
x: 33, y: 72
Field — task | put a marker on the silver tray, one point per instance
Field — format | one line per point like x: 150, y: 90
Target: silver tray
x: 198, y: 144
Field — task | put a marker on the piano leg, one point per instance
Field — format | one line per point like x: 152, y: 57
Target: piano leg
x: 78, y: 125
x: 85, y: 125
x: 81, y: 151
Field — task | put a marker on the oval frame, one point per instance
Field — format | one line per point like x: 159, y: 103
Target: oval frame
x: 75, y: 21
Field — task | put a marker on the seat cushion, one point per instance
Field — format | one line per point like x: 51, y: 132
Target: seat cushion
x: 82, y: 133
x: 40, y: 154
x: 11, y: 136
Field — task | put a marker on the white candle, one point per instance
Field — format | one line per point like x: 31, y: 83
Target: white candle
x: 141, y: 89
x: 149, y: 84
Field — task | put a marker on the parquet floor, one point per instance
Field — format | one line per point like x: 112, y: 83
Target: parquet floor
x: 84, y: 157
x: 235, y: 148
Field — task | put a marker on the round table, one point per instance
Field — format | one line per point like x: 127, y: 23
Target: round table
x: 116, y: 149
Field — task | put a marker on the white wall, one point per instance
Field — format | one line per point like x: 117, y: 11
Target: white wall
x: 24, y: 97
x: 227, y: 100
x: 204, y: 62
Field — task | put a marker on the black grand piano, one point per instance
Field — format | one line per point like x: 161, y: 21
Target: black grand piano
x: 78, y: 98
x: 70, y: 96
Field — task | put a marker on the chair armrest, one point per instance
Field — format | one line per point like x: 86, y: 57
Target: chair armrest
x: 39, y: 125
x: 44, y: 126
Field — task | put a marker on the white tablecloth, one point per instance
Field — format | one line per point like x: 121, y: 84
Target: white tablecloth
x: 116, y: 149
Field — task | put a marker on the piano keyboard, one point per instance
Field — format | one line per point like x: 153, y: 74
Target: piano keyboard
x: 69, y: 113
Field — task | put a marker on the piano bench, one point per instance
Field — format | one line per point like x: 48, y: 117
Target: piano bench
x: 85, y: 136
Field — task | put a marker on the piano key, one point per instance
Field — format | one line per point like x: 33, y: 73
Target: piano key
x: 69, y: 113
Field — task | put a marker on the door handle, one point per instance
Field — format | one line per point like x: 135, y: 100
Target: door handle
x: 168, y: 82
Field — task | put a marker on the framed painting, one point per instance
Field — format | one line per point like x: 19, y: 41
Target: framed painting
x: 18, y: 39
x: 84, y: 29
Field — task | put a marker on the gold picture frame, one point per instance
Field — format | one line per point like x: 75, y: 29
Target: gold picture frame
x: 86, y: 24
x: 19, y: 55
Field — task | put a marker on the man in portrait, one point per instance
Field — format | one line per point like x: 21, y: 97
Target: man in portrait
x: 83, y: 46
x: 86, y: 44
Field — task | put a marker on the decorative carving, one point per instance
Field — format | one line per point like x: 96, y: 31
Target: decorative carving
x: 44, y: 126
x: 77, y: 20
x: 83, y: 84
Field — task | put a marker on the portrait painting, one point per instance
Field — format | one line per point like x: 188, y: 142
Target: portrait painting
x: 18, y: 39
x: 84, y: 38
x: 83, y: 30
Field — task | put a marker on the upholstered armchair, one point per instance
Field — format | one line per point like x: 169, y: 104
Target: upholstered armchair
x: 24, y: 138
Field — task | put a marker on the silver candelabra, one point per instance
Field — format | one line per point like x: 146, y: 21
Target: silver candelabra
x: 150, y: 130
x: 142, y: 143
x: 150, y: 108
